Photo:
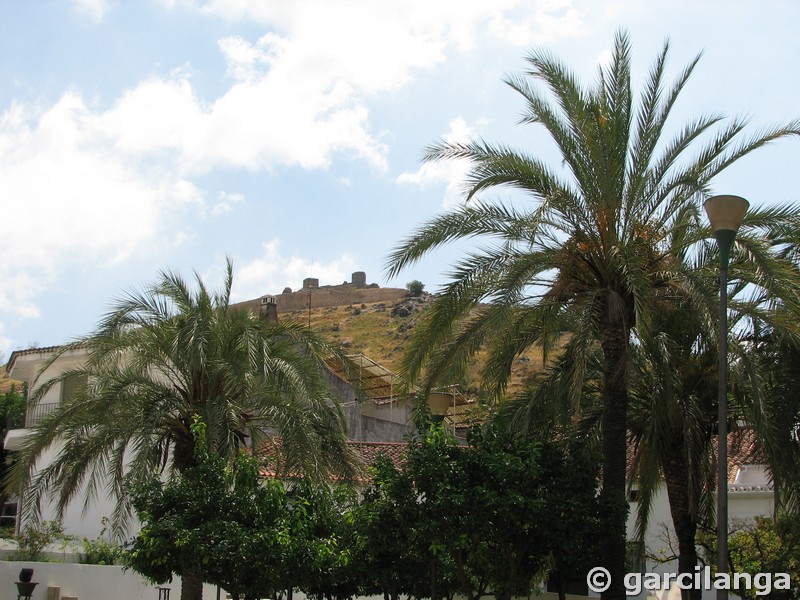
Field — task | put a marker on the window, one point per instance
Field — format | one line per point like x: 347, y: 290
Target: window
x: 8, y: 517
x: 635, y: 560
x: 72, y: 385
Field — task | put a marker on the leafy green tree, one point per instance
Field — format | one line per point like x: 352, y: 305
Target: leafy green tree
x: 491, y: 517
x: 219, y: 522
x: 394, y: 551
x: 502, y: 512
x: 595, y: 254
x: 768, y: 545
x: 415, y: 288
x: 162, y: 357
x: 321, y: 553
x: 12, y: 415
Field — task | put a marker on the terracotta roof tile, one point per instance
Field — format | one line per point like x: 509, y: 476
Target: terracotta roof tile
x: 17, y: 353
x: 370, y: 451
x: 365, y: 452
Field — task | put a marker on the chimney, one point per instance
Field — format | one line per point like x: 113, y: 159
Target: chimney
x: 269, y: 309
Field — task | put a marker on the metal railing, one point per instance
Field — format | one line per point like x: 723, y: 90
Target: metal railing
x: 38, y: 412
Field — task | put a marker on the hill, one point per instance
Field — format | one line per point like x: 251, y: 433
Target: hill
x: 382, y: 331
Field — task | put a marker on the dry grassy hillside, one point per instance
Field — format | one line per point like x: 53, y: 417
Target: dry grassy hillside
x: 5, y: 382
x: 382, y: 330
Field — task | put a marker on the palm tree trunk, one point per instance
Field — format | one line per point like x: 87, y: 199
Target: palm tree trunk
x: 191, y: 586
x: 683, y: 518
x: 615, y: 439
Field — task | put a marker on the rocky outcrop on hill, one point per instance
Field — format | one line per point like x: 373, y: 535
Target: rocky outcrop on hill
x: 408, y: 305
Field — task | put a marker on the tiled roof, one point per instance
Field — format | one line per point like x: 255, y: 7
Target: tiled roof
x: 767, y: 487
x: 17, y: 353
x: 368, y: 452
x: 742, y: 451
x: 365, y: 452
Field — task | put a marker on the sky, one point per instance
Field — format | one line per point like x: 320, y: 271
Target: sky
x: 141, y: 136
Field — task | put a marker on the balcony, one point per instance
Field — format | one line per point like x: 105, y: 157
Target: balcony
x: 36, y: 413
x: 16, y: 435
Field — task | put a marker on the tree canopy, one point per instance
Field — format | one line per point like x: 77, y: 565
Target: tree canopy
x: 162, y: 357
x: 609, y: 236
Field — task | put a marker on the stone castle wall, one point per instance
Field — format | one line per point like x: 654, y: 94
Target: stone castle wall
x: 355, y: 292
x: 335, y: 295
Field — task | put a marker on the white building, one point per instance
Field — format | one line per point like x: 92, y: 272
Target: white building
x: 382, y: 416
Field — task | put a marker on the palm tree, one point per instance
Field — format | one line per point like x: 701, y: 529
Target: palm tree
x: 765, y: 393
x: 158, y: 359
x: 673, y: 425
x: 591, y: 257
x: 673, y: 412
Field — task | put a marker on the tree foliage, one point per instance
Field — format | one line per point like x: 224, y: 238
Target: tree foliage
x: 160, y: 358
x: 490, y: 517
x: 415, y: 288
x: 495, y: 516
x: 765, y: 547
x: 230, y: 527
x: 613, y: 233
x: 768, y: 545
x: 12, y: 416
x: 214, y: 520
x: 393, y: 549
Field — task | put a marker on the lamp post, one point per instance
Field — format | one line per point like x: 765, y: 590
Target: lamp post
x: 725, y: 213
x: 438, y: 403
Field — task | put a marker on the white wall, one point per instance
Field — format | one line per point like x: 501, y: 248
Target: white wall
x: 77, y: 521
x: 88, y: 582
x: 742, y: 506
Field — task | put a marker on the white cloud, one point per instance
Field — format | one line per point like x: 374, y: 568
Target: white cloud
x: 377, y: 46
x: 98, y: 185
x: 263, y: 120
x: 450, y: 172
x: 553, y: 20
x: 271, y: 272
x: 94, y: 9
x: 5, y: 345
x: 299, y: 93
x: 225, y: 203
x: 72, y: 201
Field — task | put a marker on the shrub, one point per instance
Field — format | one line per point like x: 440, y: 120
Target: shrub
x: 35, y: 538
x: 101, y: 551
x: 415, y: 288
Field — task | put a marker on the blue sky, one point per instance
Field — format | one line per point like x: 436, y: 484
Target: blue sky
x: 140, y: 136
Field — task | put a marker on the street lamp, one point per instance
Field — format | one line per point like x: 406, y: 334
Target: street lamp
x: 725, y: 213
x: 439, y: 403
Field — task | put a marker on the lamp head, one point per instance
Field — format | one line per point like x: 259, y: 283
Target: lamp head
x: 439, y: 402
x: 726, y: 213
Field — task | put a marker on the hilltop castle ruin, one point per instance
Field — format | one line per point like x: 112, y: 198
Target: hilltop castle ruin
x: 312, y: 295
